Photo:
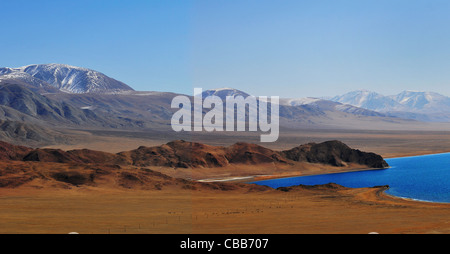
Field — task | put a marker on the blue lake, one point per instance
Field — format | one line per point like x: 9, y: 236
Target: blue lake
x: 425, y: 178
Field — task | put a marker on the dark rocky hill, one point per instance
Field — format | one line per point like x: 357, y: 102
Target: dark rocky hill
x: 183, y: 154
x: 334, y: 153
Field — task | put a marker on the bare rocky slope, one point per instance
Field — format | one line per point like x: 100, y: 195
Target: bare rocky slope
x: 39, y: 168
x: 64, y: 78
x: 183, y: 154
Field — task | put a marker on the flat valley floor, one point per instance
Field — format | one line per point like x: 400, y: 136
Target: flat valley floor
x: 303, y: 211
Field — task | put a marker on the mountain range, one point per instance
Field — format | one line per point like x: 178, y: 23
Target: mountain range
x: 64, y: 78
x: 38, y: 102
x: 422, y: 106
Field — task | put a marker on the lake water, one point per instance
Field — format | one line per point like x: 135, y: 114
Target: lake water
x: 425, y: 178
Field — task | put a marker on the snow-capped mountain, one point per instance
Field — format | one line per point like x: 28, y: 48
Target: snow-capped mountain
x: 328, y: 105
x: 5, y: 70
x: 307, y: 103
x: 422, y: 106
x: 425, y: 102
x: 298, y: 101
x: 66, y: 78
x: 370, y: 100
x: 22, y: 76
x: 224, y: 92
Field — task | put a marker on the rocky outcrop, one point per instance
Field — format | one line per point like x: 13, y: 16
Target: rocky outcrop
x: 13, y: 152
x: 21, y: 165
x: 334, y: 153
x: 184, y: 154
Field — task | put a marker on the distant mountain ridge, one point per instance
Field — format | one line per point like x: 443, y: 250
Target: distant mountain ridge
x: 224, y: 92
x: 369, y: 100
x: 409, y: 101
x: 36, y: 98
x: 423, y: 101
x: 422, y: 106
x: 65, y: 78
x: 22, y: 104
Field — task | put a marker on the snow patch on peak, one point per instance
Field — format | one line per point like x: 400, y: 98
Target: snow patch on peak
x: 224, y: 92
x: 299, y: 101
x: 71, y: 79
x: 406, y: 101
x: 222, y: 89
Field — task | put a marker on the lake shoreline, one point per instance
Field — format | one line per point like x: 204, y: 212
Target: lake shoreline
x: 383, y: 195
x: 255, y: 178
x: 416, y: 154
x: 407, y: 197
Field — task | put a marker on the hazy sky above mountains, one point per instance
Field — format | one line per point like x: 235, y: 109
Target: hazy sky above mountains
x: 287, y: 48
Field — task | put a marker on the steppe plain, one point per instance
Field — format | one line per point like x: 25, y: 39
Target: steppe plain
x: 230, y: 207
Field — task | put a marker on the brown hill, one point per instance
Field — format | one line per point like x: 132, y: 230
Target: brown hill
x: 180, y: 154
x: 15, y: 174
x: 244, y: 153
x: 183, y: 154
x: 65, y: 169
x: 13, y: 152
x: 51, y: 155
x: 334, y: 153
x: 192, y: 155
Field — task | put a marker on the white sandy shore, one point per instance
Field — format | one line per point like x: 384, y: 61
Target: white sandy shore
x: 228, y: 179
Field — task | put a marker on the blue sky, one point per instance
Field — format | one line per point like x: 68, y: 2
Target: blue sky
x: 285, y: 48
